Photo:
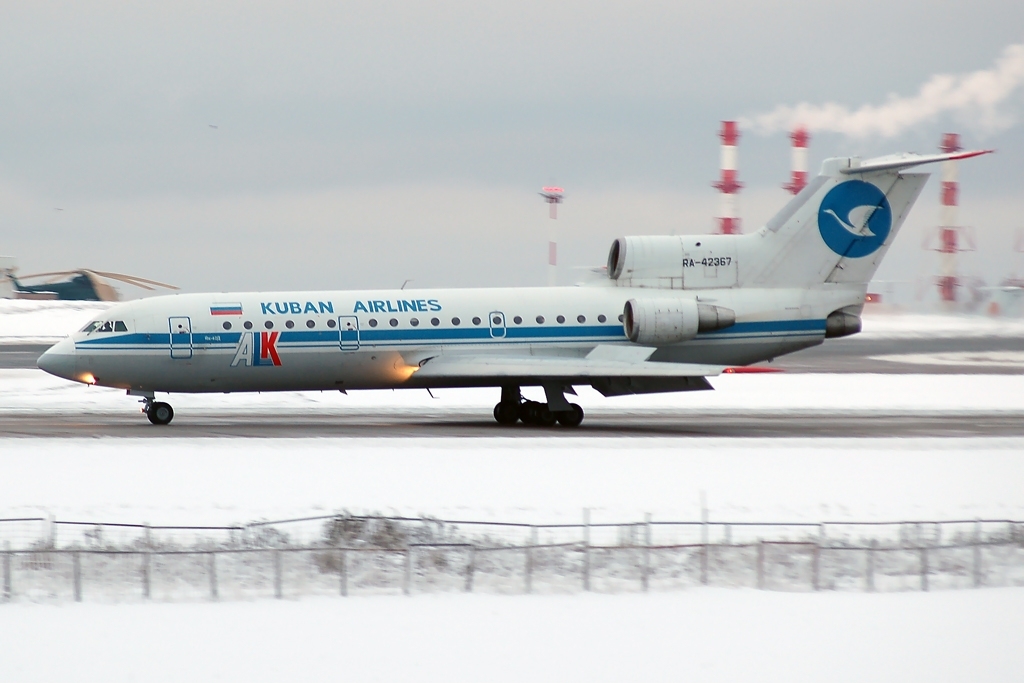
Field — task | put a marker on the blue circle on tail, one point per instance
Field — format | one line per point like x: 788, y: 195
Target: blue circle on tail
x: 854, y: 219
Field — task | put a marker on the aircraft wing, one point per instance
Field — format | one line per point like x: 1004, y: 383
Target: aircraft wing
x: 555, y: 367
x: 612, y: 370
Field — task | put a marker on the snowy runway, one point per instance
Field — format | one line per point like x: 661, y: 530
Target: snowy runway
x: 699, y: 635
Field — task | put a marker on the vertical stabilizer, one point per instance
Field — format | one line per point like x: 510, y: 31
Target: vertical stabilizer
x: 7, y: 283
x: 839, y: 227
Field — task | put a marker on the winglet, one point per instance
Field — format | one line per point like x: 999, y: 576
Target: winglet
x: 901, y: 161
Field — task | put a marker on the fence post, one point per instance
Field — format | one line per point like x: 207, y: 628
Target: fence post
x: 470, y: 567
x: 977, y: 554
x: 529, y: 559
x: 53, y: 530
x: 869, y: 574
x: 407, y: 581
x: 816, y: 567
x: 145, y: 574
x: 646, y: 568
x: 76, y: 570
x: 343, y: 573
x: 924, y: 568
x: 212, y: 559
x: 703, y: 539
x: 278, y: 593
x: 727, y: 534
x: 586, y: 549
x: 760, y: 564
x: 7, y: 571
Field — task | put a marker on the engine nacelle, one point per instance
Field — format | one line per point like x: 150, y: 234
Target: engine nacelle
x: 841, y: 324
x: 675, y: 262
x: 669, y: 320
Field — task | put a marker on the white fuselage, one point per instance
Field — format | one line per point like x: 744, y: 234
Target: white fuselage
x: 379, y: 339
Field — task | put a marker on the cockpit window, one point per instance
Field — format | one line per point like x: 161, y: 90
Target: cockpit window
x: 105, y: 326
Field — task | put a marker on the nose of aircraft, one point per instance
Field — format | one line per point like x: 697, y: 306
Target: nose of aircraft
x: 60, y: 360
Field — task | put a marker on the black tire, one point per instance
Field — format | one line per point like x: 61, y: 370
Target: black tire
x: 571, y: 418
x: 528, y: 412
x: 506, y: 413
x: 545, y: 418
x: 160, y: 413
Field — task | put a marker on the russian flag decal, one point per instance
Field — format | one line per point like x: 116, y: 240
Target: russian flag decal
x: 226, y: 309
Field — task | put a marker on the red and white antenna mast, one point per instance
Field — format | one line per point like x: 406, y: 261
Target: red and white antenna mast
x: 949, y: 230
x: 800, y: 137
x: 553, y: 196
x: 728, y: 222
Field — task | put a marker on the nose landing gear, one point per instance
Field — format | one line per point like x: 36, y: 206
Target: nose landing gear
x: 513, y: 408
x: 158, y: 412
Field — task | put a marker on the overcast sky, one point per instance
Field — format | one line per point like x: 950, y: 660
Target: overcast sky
x: 359, y: 144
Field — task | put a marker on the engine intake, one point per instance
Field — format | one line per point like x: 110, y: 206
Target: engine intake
x: 672, y: 320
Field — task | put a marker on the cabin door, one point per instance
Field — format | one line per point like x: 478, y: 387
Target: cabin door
x: 348, y: 329
x: 181, y: 336
x: 497, y: 322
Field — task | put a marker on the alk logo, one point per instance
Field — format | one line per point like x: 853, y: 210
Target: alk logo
x: 854, y: 219
x: 257, y: 348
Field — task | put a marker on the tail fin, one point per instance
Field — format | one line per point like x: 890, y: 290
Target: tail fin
x: 838, y: 229
x: 8, y: 283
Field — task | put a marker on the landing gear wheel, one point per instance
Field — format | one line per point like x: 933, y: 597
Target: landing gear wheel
x: 529, y: 412
x: 160, y: 413
x: 545, y: 418
x: 571, y: 418
x: 506, y: 413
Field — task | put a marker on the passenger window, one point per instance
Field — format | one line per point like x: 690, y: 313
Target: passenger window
x: 620, y: 318
x: 310, y: 324
x: 456, y: 322
x: 227, y: 325
x: 560, y: 319
x: 330, y: 323
x: 415, y: 322
x: 540, y: 320
x: 393, y: 322
x: 289, y: 324
x: 518, y: 320
x: 435, y: 322
x: 476, y: 321
x: 247, y: 325
x: 373, y: 322
x: 601, y: 318
x: 581, y: 319
x: 269, y: 324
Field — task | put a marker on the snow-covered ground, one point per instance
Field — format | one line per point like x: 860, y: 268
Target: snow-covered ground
x: 531, y: 480
x: 699, y: 635
x: 25, y: 322
x: 49, y: 321
x: 30, y: 391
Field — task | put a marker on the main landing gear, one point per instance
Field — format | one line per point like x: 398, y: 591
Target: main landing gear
x: 158, y: 412
x: 513, y: 408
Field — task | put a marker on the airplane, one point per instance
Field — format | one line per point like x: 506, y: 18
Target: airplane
x: 671, y: 312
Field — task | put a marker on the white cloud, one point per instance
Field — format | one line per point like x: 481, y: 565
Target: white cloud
x: 982, y: 99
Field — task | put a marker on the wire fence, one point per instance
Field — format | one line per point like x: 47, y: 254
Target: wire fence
x: 44, y: 559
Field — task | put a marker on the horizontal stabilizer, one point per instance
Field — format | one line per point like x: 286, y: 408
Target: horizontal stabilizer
x: 901, y: 161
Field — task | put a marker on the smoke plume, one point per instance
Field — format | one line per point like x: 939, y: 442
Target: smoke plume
x: 977, y: 98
